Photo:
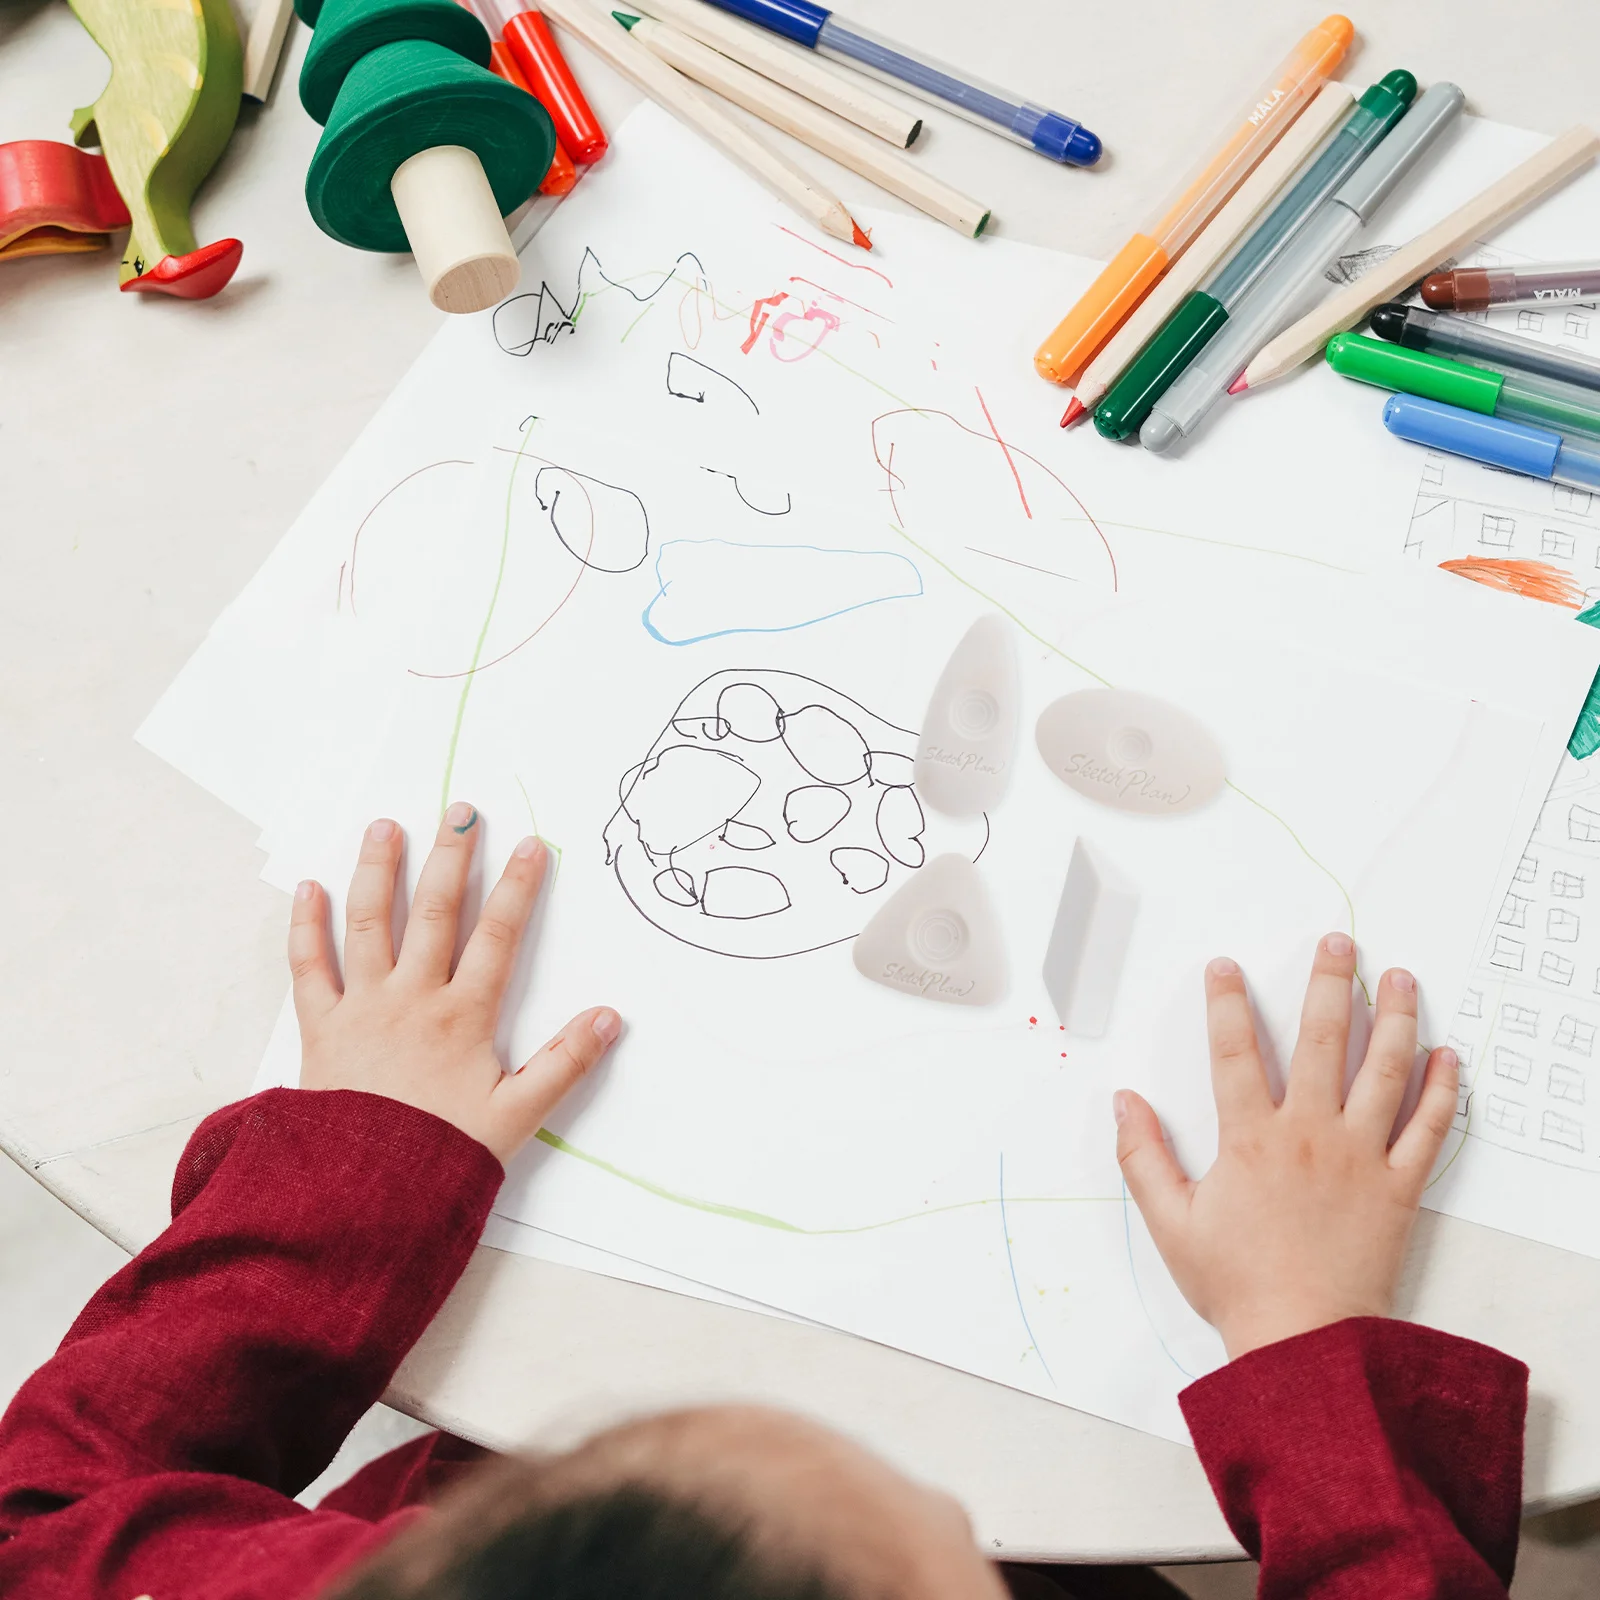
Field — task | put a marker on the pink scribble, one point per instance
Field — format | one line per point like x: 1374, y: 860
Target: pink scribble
x: 829, y: 323
x: 855, y: 266
x: 1005, y: 450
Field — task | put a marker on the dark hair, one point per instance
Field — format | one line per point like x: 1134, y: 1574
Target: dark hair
x: 629, y: 1542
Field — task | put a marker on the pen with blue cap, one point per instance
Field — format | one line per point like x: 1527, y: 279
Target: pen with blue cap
x: 824, y: 31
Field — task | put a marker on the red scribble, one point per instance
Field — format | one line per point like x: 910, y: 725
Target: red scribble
x: 833, y: 294
x: 394, y: 489
x: 830, y: 324
x: 1005, y: 450
x: 583, y: 567
x: 855, y: 266
x: 755, y: 325
x: 1033, y: 1022
x: 923, y: 411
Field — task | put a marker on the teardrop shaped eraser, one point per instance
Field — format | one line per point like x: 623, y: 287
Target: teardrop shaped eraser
x: 969, y: 735
x: 937, y: 938
x: 1131, y: 751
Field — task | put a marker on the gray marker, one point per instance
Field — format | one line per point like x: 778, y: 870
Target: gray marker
x: 1291, y: 284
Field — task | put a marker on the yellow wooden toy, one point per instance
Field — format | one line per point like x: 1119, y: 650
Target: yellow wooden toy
x: 162, y: 122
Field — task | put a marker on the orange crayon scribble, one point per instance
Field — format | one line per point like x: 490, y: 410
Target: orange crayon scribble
x: 1538, y: 580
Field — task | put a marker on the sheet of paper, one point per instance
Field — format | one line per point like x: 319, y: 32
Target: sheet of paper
x: 701, y: 454
x: 1527, y: 1154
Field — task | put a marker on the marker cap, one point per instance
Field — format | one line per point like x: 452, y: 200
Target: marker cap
x: 1393, y: 366
x: 1491, y: 440
x: 799, y: 20
x: 1375, y: 179
x: 1393, y: 92
x: 1062, y: 139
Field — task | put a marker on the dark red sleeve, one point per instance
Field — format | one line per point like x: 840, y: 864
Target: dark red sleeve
x: 314, y: 1236
x: 1368, y: 1460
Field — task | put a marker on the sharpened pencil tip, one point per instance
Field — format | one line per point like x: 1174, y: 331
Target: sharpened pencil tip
x: 861, y: 238
x: 1238, y: 386
x: 1075, y: 409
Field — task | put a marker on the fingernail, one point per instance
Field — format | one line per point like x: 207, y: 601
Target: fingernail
x: 1119, y: 1106
x: 1223, y: 967
x: 529, y: 848
x: 380, y: 830
x: 1338, y: 944
x: 304, y: 889
x: 1448, y: 1059
x: 460, y: 816
x: 1403, y: 981
x: 607, y: 1025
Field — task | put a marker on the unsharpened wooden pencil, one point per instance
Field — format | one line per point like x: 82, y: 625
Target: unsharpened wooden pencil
x: 1281, y: 163
x: 263, y: 47
x: 673, y: 92
x: 840, y: 92
x: 1519, y: 188
x: 810, y: 124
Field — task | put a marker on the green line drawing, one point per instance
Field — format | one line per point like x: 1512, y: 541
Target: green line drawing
x: 549, y: 844
x: 636, y: 321
x: 760, y: 1219
x: 483, y: 632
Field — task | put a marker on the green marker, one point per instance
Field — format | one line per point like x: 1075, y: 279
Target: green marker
x: 1515, y: 397
x: 1188, y: 330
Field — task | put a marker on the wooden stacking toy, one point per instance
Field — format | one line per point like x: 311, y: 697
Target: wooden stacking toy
x: 162, y: 122
x: 423, y: 147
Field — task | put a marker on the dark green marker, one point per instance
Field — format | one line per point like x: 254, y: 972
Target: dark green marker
x: 1515, y: 396
x: 1190, y: 328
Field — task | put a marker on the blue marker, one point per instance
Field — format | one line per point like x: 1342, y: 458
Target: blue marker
x: 818, y: 29
x: 1513, y: 446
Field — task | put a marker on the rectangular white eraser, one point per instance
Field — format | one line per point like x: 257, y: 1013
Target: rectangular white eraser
x: 1089, y: 943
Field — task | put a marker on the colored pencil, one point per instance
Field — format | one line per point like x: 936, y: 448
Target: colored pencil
x: 843, y: 93
x: 263, y: 47
x: 810, y: 124
x: 673, y: 92
x: 1519, y: 188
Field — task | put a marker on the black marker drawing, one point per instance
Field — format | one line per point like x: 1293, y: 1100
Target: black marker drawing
x: 604, y: 525
x: 769, y: 818
x: 684, y: 384
x: 526, y: 321
x: 788, y: 499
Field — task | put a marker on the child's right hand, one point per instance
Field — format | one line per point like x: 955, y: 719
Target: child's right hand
x: 408, y: 1027
x: 1304, y: 1217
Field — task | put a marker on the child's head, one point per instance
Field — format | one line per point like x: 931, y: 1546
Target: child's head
x: 722, y: 1503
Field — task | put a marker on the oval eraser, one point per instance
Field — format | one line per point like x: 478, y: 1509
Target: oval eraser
x: 1131, y: 751
x: 969, y: 735
x: 937, y: 938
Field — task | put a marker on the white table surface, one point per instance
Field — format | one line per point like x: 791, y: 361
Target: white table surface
x: 151, y: 454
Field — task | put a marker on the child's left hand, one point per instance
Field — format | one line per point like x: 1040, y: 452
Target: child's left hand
x: 405, y: 1026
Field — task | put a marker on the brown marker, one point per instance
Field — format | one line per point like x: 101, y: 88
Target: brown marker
x: 1478, y: 288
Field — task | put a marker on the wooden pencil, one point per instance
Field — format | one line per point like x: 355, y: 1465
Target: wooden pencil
x: 673, y: 92
x: 840, y: 92
x: 1520, y: 187
x: 263, y: 47
x: 1226, y: 229
x: 810, y: 124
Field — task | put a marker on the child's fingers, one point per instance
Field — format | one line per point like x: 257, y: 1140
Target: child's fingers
x: 1380, y: 1086
x: 1316, y: 1070
x: 316, y: 988
x: 1238, y: 1079
x: 369, y: 907
x: 1151, y: 1171
x: 430, y: 937
x: 491, y: 951
x: 1423, y: 1136
x: 526, y: 1097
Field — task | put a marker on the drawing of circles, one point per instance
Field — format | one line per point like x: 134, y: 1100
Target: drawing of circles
x: 1129, y: 746
x: 974, y: 714
x: 940, y: 937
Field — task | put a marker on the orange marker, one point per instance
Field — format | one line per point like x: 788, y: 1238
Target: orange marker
x: 562, y: 174
x: 1143, y: 259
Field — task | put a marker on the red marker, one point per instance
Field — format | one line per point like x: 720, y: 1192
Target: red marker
x: 562, y: 174
x: 533, y: 47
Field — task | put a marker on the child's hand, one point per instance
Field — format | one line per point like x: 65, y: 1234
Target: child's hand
x: 1304, y: 1217
x: 404, y: 1027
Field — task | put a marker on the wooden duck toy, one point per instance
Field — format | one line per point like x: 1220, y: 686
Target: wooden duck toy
x: 162, y: 122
